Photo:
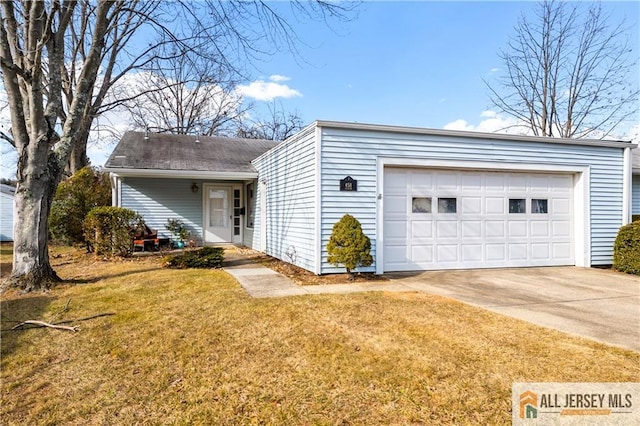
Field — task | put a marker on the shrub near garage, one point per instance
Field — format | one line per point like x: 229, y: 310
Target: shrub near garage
x: 626, y: 250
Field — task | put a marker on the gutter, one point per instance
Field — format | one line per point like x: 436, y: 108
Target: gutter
x: 180, y: 174
x: 471, y: 135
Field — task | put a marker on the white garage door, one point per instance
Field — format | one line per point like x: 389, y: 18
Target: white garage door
x: 449, y: 219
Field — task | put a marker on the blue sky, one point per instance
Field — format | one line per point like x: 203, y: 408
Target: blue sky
x: 408, y: 63
x: 418, y: 63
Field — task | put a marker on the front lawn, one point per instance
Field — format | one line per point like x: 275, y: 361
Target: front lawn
x: 190, y: 347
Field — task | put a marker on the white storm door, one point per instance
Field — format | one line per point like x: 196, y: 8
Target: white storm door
x: 217, y: 215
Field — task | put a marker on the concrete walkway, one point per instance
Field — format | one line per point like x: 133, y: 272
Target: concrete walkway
x: 598, y: 304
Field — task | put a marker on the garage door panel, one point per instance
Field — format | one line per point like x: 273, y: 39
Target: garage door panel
x: 447, y: 229
x: 494, y: 228
x: 471, y: 252
x: 447, y: 181
x: 539, y: 228
x: 422, y: 253
x: 395, y: 254
x: 561, y: 251
x: 422, y: 181
x: 494, y: 183
x: 481, y: 232
x: 421, y: 229
x: 494, y: 205
x: 517, y: 183
x: 471, y: 182
x: 560, y: 206
x: 471, y: 205
x: 447, y: 253
x: 540, y: 251
x: 561, y: 228
x: 517, y: 228
x: 396, y: 229
x: 395, y: 204
x: 495, y: 252
x: 471, y: 228
x: 517, y: 251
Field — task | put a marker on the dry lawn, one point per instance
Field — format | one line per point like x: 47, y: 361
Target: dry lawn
x: 190, y: 347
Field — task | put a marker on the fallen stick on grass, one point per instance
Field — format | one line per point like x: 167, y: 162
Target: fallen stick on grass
x: 46, y: 324
x: 56, y: 325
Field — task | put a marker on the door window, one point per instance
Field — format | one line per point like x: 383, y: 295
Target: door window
x: 218, y: 208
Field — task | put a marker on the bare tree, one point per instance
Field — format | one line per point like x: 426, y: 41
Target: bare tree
x: 59, y: 59
x: 185, y: 96
x: 567, y: 73
x: 278, y: 126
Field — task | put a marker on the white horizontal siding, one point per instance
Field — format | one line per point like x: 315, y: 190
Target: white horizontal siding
x: 6, y: 217
x: 355, y: 153
x: 289, y: 171
x: 635, y: 197
x: 160, y: 199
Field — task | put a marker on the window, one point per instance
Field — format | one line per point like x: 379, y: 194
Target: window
x: 539, y: 205
x: 517, y: 205
x: 251, y: 205
x: 236, y: 212
x: 421, y: 205
x: 447, y: 205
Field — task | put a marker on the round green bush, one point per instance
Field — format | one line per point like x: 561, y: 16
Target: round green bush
x: 626, y: 250
x: 348, y: 245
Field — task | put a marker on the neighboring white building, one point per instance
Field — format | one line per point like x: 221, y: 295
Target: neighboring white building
x: 6, y: 212
x: 427, y: 199
x: 636, y: 182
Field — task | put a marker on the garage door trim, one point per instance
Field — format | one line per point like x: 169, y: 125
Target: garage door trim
x: 581, y: 195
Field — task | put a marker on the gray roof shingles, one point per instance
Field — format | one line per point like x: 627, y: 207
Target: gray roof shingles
x: 165, y: 151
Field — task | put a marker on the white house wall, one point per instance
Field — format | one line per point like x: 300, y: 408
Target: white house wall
x: 160, y: 199
x: 635, y: 196
x: 6, y: 217
x: 349, y: 152
x: 287, y: 174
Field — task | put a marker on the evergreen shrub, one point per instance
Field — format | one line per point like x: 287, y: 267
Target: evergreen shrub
x: 626, y: 249
x: 348, y: 245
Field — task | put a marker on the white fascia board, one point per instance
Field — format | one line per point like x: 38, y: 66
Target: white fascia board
x: 182, y: 174
x: 473, y: 135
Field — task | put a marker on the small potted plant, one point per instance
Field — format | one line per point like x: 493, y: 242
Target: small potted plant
x: 179, y: 231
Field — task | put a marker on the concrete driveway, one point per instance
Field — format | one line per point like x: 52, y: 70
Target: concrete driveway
x: 599, y: 304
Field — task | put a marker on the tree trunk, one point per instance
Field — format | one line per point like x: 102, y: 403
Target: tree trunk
x: 78, y: 158
x: 37, y: 182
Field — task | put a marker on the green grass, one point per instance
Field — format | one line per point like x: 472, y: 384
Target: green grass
x: 190, y: 347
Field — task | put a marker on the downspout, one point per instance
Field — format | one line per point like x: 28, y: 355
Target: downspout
x: 318, y: 203
x: 626, y: 187
x: 115, y: 193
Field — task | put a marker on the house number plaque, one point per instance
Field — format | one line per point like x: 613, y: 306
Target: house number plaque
x: 348, y: 184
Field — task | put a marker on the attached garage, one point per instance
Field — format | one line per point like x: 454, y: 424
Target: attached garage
x: 452, y: 219
x: 436, y: 199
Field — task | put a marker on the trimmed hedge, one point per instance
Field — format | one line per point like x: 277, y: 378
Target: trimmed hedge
x: 626, y: 250
x: 109, y: 230
x: 206, y: 257
x: 635, y: 217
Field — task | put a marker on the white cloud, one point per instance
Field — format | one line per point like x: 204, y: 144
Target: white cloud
x: 491, y: 123
x: 268, y: 90
x: 459, y: 124
x: 278, y: 78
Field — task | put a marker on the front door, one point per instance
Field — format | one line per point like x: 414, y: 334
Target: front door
x: 218, y: 214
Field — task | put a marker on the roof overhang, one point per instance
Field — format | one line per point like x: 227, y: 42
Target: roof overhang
x: 181, y: 174
x: 471, y: 135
